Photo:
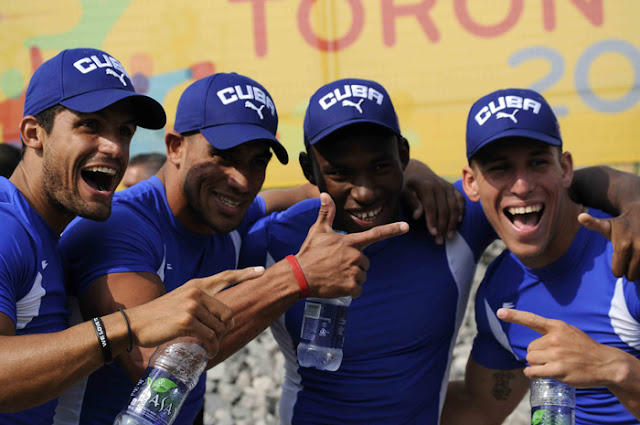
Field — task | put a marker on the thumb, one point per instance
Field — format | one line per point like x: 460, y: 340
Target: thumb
x: 217, y: 282
x: 326, y: 214
x: 602, y: 226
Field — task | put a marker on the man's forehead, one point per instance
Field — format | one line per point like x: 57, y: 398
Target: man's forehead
x: 513, y: 146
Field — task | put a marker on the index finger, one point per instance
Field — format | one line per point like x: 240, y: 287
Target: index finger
x: 217, y: 282
x: 532, y: 321
x: 362, y: 240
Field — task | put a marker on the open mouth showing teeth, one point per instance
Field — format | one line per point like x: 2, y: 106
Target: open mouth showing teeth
x: 228, y: 202
x: 367, y: 215
x: 525, y: 216
x: 99, y: 178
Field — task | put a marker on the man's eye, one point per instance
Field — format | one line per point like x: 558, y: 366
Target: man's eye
x: 89, y: 124
x: 381, y: 168
x: 126, y: 132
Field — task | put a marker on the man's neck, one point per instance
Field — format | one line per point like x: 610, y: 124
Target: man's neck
x: 564, y: 232
x: 29, y: 183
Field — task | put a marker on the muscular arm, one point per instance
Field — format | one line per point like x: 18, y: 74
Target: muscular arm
x: 618, y: 194
x: 485, y: 397
x: 281, y: 199
x: 38, y: 368
x: 123, y: 290
x: 605, y: 188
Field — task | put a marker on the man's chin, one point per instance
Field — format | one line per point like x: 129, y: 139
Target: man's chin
x: 97, y: 213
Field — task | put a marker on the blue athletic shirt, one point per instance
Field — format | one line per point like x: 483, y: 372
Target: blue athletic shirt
x: 143, y: 235
x: 32, y: 291
x: 400, y: 332
x: 578, y: 289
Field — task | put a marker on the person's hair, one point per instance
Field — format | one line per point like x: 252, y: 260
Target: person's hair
x: 151, y: 162
x: 48, y: 116
x: 9, y: 158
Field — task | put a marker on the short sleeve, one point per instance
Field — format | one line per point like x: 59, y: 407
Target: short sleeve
x: 16, y: 254
x: 126, y: 242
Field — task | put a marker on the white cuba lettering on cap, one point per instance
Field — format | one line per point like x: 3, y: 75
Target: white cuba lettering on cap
x: 507, y: 102
x: 229, y: 95
x: 350, y: 90
x: 91, y: 63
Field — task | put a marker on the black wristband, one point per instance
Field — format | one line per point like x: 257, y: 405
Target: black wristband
x: 102, y: 339
x: 126, y: 320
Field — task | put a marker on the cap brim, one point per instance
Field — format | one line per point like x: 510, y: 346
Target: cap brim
x: 324, y: 133
x: 227, y: 136
x: 149, y: 113
x: 518, y: 132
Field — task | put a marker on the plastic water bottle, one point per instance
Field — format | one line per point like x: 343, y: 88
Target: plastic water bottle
x: 173, y: 371
x: 552, y: 402
x: 322, y: 333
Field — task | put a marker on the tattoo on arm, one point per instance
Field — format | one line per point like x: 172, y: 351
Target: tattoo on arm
x: 501, y: 384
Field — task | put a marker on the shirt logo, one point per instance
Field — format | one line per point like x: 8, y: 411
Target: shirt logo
x: 508, y: 304
x: 250, y: 105
x: 350, y: 91
x: 504, y: 102
x: 355, y: 105
x: 110, y: 71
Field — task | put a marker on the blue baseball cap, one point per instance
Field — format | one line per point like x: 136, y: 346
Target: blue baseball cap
x: 229, y: 110
x: 345, y: 102
x: 88, y: 80
x: 511, y: 113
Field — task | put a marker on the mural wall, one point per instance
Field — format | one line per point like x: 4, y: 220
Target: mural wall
x: 435, y: 57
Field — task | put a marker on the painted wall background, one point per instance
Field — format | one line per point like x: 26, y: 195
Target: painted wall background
x: 435, y: 58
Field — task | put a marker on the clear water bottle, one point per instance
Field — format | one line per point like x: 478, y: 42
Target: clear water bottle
x: 173, y: 371
x: 322, y: 333
x: 552, y: 402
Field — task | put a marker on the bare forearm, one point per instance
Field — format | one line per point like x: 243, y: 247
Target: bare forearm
x: 38, y: 368
x: 605, y: 188
x: 256, y: 304
x: 626, y: 385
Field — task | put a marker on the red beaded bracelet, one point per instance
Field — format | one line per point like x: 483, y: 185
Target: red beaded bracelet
x: 297, y: 271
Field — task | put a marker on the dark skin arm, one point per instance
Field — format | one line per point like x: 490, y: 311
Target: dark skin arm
x: 618, y: 194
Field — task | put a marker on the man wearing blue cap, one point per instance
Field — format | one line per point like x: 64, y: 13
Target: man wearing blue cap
x: 80, y: 114
x: 189, y: 220
x: 401, y: 331
x: 555, y: 278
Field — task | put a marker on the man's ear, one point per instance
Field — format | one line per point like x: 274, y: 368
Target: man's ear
x: 306, y: 163
x: 403, y: 151
x: 31, y: 132
x: 470, y: 184
x: 566, y: 162
x: 175, y: 147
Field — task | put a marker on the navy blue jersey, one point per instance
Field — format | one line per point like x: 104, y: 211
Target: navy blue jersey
x: 143, y: 235
x: 578, y: 289
x: 400, y: 332
x: 32, y: 291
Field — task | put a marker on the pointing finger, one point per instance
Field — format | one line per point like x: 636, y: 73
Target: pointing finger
x: 216, y: 283
x: 532, y: 321
x: 376, y: 234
